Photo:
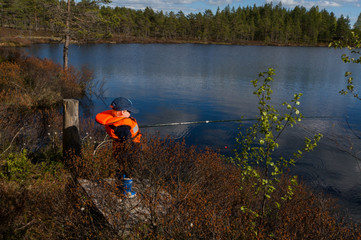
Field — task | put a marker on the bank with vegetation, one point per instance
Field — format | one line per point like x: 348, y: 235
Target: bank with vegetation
x: 187, y: 193
x: 25, y: 22
x: 203, y: 195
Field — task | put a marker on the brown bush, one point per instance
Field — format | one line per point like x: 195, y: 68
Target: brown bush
x: 187, y: 193
x: 182, y: 193
x: 48, y: 204
x: 31, y: 93
x: 307, y: 216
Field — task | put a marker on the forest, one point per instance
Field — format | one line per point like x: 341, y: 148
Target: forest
x: 95, y: 20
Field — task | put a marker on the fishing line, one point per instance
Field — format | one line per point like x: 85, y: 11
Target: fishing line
x: 218, y: 121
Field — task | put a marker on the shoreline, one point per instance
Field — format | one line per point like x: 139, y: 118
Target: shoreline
x: 19, y: 38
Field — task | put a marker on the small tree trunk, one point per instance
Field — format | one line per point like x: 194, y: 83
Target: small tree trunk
x: 67, y: 39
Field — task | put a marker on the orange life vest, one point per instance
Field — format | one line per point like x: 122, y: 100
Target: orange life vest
x: 107, y: 119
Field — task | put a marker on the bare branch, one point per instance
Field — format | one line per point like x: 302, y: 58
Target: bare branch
x: 12, y: 140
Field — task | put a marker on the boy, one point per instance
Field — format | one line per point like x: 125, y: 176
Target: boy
x: 121, y: 127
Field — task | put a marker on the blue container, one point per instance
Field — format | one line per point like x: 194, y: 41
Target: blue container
x: 127, y: 184
x: 126, y: 187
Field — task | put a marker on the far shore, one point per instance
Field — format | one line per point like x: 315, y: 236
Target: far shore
x: 19, y: 38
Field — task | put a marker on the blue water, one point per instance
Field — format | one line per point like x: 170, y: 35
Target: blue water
x: 190, y: 82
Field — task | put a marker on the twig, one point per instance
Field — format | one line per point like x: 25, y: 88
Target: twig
x: 12, y: 140
x: 17, y: 85
x: 26, y: 225
x: 339, y: 147
x: 352, y: 129
x: 101, y: 144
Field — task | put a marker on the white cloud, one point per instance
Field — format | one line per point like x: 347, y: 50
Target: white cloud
x: 349, y: 1
x: 328, y: 4
x: 220, y: 2
x: 320, y: 3
x: 151, y: 2
x: 168, y: 5
x: 157, y: 5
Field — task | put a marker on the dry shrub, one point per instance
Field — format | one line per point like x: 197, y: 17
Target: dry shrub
x: 48, y: 203
x: 182, y: 193
x: 308, y: 216
x: 51, y: 208
x: 31, y: 93
x: 42, y: 80
x: 187, y: 193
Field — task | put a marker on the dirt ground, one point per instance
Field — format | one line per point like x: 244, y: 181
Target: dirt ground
x: 18, y: 37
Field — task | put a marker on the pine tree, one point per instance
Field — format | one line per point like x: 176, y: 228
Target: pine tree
x: 357, y: 24
x: 342, y: 28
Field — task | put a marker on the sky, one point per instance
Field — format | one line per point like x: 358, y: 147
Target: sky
x: 350, y: 8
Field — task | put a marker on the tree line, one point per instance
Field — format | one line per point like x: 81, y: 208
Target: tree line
x: 269, y: 23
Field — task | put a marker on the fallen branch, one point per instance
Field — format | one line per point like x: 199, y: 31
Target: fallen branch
x: 12, y: 141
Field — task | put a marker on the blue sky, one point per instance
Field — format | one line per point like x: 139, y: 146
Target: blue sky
x: 351, y: 8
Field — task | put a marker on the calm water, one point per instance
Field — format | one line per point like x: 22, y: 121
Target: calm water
x: 187, y: 82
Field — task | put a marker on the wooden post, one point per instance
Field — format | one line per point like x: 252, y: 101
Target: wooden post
x: 71, y: 137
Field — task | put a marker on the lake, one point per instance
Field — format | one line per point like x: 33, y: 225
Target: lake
x: 192, y: 82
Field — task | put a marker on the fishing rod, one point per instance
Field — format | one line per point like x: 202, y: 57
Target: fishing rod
x: 217, y: 121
